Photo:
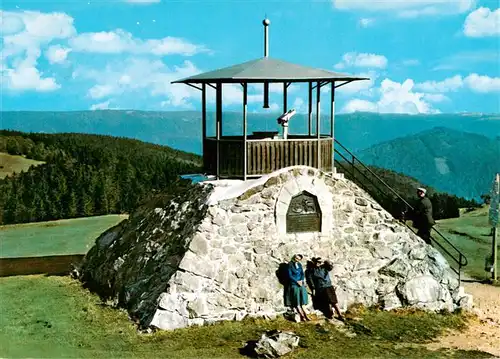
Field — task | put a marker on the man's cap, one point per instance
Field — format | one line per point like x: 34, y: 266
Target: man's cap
x: 328, y: 265
x: 423, y: 190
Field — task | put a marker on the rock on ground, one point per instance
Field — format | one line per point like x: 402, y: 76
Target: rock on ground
x: 274, y: 344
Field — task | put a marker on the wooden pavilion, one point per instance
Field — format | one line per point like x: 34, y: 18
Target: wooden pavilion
x: 259, y: 153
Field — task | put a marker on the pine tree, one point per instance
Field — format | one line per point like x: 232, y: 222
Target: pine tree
x: 71, y: 205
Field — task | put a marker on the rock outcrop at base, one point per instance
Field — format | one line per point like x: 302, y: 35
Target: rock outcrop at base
x: 210, y: 252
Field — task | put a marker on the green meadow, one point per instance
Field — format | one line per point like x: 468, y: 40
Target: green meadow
x: 471, y: 234
x: 10, y: 164
x: 67, y: 236
x: 54, y: 317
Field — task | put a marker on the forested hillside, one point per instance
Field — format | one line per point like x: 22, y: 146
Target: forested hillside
x: 451, y: 161
x: 85, y: 175
x: 440, y: 164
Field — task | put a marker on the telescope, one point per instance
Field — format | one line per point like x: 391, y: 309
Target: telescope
x: 284, y: 119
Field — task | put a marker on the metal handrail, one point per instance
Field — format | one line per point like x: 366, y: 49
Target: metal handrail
x: 462, y: 259
x: 372, y: 173
x: 460, y: 255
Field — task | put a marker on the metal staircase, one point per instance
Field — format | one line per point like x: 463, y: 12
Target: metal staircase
x: 387, y: 197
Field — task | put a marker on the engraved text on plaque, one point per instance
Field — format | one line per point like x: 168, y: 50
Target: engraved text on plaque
x: 304, y: 214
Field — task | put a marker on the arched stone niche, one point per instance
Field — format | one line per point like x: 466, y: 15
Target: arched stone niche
x: 311, y: 186
x: 304, y: 214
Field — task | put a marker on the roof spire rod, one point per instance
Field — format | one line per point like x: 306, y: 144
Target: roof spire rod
x: 266, y: 23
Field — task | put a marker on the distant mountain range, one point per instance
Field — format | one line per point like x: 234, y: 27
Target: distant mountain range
x: 182, y: 130
x: 458, y: 157
x: 451, y: 161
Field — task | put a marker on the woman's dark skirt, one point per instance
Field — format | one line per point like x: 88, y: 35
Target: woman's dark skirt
x: 323, y: 298
x: 295, y: 296
x: 329, y: 295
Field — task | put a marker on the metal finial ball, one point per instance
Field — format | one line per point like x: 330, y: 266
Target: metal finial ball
x: 266, y: 22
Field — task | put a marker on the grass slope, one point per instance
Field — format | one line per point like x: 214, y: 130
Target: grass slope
x: 10, y: 164
x: 68, y: 236
x: 53, y: 317
x: 471, y: 234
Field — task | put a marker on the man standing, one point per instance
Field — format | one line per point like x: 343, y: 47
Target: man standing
x: 322, y: 289
x: 422, y: 216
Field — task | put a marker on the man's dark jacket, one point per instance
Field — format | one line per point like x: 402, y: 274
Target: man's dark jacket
x: 422, y: 216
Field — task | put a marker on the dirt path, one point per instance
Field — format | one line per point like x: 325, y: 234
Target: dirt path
x: 484, y: 332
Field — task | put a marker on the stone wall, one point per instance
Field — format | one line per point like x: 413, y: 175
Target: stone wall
x: 226, y: 267
x: 131, y: 264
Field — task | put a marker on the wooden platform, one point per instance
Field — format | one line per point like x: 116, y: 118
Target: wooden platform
x: 266, y: 155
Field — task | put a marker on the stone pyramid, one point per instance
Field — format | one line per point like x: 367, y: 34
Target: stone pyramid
x: 210, y: 251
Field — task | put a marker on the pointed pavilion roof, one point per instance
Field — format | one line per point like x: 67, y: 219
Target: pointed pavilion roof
x: 270, y: 70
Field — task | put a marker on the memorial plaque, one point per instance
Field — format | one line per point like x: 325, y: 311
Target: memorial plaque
x: 304, y: 214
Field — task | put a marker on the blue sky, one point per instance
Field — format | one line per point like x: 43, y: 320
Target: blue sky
x: 423, y: 56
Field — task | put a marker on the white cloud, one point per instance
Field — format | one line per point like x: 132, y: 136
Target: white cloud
x: 447, y: 85
x: 473, y: 82
x: 357, y: 105
x: 482, y: 84
x: 39, y: 27
x: 411, y: 98
x: 10, y: 23
x: 24, y: 78
x: 365, y: 22
x: 408, y: 8
x: 274, y: 107
x: 360, y: 87
x: 362, y: 60
x: 120, y: 41
x: 100, y: 106
x: 139, y: 77
x: 22, y: 47
x: 436, y: 97
x: 394, y: 98
x: 101, y: 91
x: 57, y: 54
x: 482, y: 22
x: 28, y: 34
x: 299, y: 105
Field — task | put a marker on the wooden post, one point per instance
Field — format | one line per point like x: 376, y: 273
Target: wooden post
x: 318, y: 129
x: 285, y: 105
x: 218, y: 122
x: 204, y: 124
x: 493, y: 219
x: 310, y: 111
x: 494, y: 274
x: 245, y: 149
x: 332, y: 120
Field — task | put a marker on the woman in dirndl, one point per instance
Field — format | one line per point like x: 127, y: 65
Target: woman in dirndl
x: 297, y: 293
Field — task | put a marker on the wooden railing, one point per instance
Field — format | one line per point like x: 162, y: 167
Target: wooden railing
x: 266, y: 156
x: 269, y: 156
